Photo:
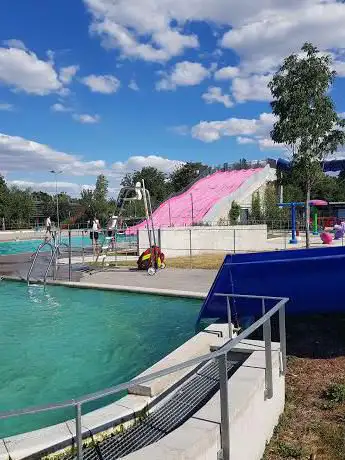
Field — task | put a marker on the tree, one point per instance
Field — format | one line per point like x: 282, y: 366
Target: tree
x: 3, y: 197
x: 186, y: 174
x: 155, y: 181
x: 270, y: 208
x: 241, y: 164
x: 256, y: 214
x: 234, y: 212
x: 307, y: 122
x: 100, y: 197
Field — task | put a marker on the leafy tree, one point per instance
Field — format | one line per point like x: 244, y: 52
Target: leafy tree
x: 100, y: 197
x: 256, y: 213
x: 234, y: 212
x: 270, y: 208
x: 307, y: 120
x: 186, y: 174
x: 155, y: 181
x: 3, y: 197
x: 241, y: 164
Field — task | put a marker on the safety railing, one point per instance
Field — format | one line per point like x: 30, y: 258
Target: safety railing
x: 220, y: 355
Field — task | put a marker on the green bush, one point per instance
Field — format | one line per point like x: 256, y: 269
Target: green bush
x: 335, y: 393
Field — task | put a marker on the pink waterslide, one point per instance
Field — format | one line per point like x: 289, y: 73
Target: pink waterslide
x: 191, y: 206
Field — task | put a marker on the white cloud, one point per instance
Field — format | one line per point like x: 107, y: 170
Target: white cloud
x: 60, y: 108
x: 245, y: 140
x: 133, y: 85
x: 138, y: 162
x: 268, y: 144
x: 6, y: 107
x: 184, y: 73
x: 210, y: 131
x: 14, y: 43
x: 122, y: 25
x: 253, y: 88
x: 105, y: 84
x: 86, y: 118
x: 214, y: 94
x: 23, y: 71
x: 71, y: 188
x: 67, y: 73
x: 227, y: 73
x: 19, y: 154
x: 264, y: 38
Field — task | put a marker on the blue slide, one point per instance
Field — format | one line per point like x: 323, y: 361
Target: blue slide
x: 313, y: 280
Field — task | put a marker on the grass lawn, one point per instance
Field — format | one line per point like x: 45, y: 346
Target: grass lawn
x: 313, y: 424
x: 207, y: 261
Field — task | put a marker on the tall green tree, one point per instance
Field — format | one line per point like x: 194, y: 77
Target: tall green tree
x: 3, y: 198
x: 256, y: 211
x: 307, y: 121
x: 186, y: 174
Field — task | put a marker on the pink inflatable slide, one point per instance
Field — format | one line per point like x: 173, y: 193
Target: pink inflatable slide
x: 179, y: 211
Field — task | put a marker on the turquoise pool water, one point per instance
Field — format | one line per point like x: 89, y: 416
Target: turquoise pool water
x: 30, y: 246
x: 60, y: 343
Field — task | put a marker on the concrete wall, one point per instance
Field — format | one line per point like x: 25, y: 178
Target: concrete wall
x: 188, y: 241
x: 252, y: 416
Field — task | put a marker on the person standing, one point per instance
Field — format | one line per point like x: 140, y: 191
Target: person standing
x: 111, y: 229
x: 48, y: 226
x: 94, y: 233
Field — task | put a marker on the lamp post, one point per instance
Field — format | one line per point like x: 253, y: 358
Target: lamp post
x: 53, y: 171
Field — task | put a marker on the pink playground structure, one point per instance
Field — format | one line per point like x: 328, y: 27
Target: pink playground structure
x: 191, y: 206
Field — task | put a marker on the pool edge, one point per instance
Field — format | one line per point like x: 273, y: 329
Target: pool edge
x: 117, y: 287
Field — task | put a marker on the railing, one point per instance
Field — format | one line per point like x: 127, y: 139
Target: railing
x: 220, y: 355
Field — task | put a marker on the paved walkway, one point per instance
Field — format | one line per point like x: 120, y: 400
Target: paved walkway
x: 195, y: 280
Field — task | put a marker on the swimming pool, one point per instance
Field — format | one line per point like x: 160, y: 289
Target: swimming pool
x: 30, y: 246
x: 60, y: 343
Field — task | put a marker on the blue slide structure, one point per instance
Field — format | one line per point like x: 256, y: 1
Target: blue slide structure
x: 313, y: 279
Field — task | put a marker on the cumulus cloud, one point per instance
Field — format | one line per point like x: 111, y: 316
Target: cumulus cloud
x: 274, y: 32
x: 86, y: 118
x: 245, y: 140
x: 58, y: 107
x: 23, y: 71
x: 22, y: 155
x: 184, y: 73
x: 214, y: 95
x: 227, y: 73
x: 253, y: 88
x: 67, y: 73
x: 210, y: 131
x: 105, y: 84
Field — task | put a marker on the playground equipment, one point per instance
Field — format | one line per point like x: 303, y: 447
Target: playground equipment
x: 133, y: 194
x: 302, y: 275
x: 326, y: 238
x: 339, y: 231
x: 293, y: 206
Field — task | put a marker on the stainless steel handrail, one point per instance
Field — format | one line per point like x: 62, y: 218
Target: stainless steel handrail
x: 264, y: 321
x: 38, y: 250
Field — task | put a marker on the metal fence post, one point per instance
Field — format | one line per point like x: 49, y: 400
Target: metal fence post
x: 268, y: 359
x: 78, y: 434
x: 224, y: 407
x: 69, y: 256
x: 282, y: 338
x: 190, y: 249
x: 234, y: 241
x: 229, y: 317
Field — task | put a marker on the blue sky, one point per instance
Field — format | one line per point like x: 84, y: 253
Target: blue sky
x: 91, y: 86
